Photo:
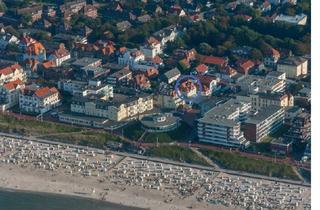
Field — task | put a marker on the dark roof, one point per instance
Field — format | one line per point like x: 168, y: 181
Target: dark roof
x: 292, y: 61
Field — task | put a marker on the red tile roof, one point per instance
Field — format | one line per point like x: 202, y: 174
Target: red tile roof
x: 45, y: 91
x: 214, y: 60
x: 202, y: 68
x: 13, y: 84
x: 9, y: 69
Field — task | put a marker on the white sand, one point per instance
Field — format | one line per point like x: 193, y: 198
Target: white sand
x: 14, y: 177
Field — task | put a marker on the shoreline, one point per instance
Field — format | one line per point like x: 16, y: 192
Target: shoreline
x: 26, y: 180
x: 128, y: 180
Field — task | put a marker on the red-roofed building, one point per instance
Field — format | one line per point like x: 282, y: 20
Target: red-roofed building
x: 214, y: 61
x: 60, y: 55
x: 33, y: 49
x: 202, y: 69
x: 244, y: 66
x: 141, y: 81
x: 12, y: 73
x: 208, y: 83
x: 272, y: 57
x: 33, y: 99
x: 9, y: 96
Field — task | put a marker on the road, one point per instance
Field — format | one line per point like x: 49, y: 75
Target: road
x: 165, y: 161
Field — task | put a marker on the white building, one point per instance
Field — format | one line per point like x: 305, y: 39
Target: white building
x: 296, y: 20
x: 81, y: 88
x: 166, y: 35
x: 221, y: 124
x: 131, y: 57
x: 33, y: 99
x: 151, y: 48
x: 293, y: 66
x: 267, y: 120
x: 119, y: 108
x: 9, y: 94
x: 12, y: 73
x: 60, y: 55
x: 7, y: 38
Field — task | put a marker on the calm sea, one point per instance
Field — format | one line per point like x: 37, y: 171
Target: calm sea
x: 17, y: 200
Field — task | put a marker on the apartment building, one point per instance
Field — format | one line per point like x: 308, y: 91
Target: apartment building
x: 263, y: 122
x: 253, y: 84
x: 119, y: 108
x: 122, y: 76
x: 9, y: 94
x: 81, y: 88
x: 293, y: 66
x: 221, y: 125
x: 12, y: 73
x: 34, y: 99
x: 261, y: 100
x: 300, y: 128
x: 169, y: 100
x: 295, y: 20
x: 151, y: 48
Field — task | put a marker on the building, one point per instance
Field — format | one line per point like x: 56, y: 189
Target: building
x: 160, y: 122
x: 300, y: 128
x: 261, y: 100
x: 80, y: 88
x: 122, y: 76
x: 82, y: 120
x: 121, y: 107
x: 263, y: 122
x: 131, y: 57
x: 33, y: 99
x: 272, y: 58
x: 172, y: 75
x: 244, y: 66
x: 73, y: 6
x: 33, y: 49
x: 213, y: 61
x: 60, y: 55
x: 252, y: 84
x: 123, y: 25
x: 221, y: 124
x: 151, y: 48
x: 296, y: 20
x: 277, y: 75
x: 7, y: 38
x: 281, y: 146
x: 169, y: 100
x: 208, y: 84
x: 87, y: 62
x: 166, y: 35
x: 9, y: 94
x: 293, y: 66
x: 12, y: 73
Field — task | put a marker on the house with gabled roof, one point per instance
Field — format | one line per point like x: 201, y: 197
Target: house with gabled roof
x: 9, y: 94
x: 39, y: 100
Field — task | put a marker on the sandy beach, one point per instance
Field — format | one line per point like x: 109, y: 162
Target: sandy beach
x: 32, y: 166
x: 14, y: 177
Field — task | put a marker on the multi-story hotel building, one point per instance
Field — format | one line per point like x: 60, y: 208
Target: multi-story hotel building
x: 221, y: 125
x: 119, y: 108
x: 263, y: 122
x: 33, y: 99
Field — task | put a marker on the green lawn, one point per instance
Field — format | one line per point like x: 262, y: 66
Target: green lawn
x: 177, y: 153
x: 233, y: 161
x: 12, y: 125
x: 179, y: 134
x: 56, y: 131
x: 86, y: 138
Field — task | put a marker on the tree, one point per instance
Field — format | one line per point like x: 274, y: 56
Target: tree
x: 205, y: 48
x: 256, y: 54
